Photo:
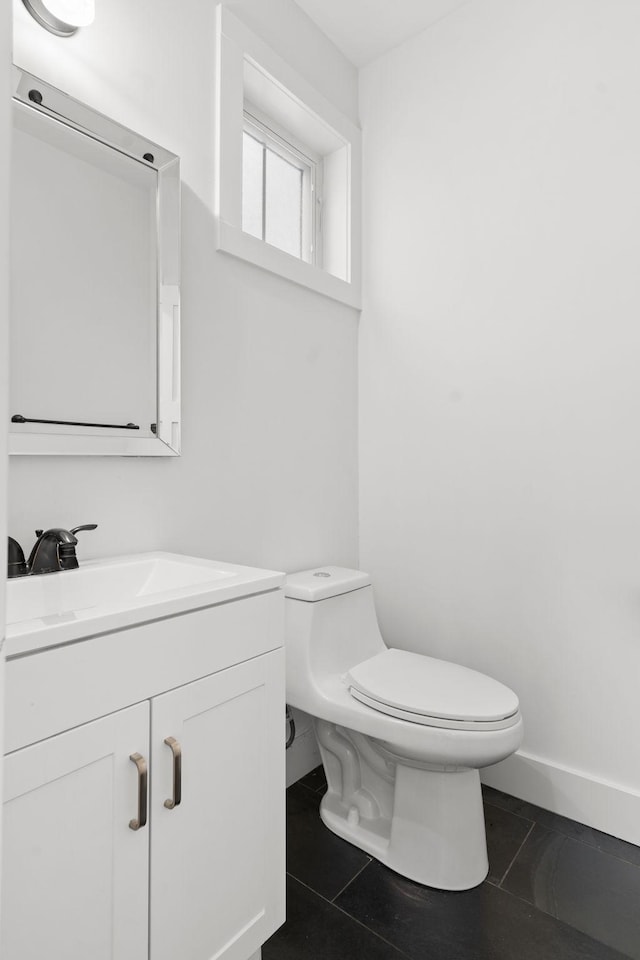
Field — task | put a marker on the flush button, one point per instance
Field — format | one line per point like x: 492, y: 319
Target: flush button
x: 321, y: 573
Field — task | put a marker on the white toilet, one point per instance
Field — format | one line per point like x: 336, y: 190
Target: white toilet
x: 402, y: 736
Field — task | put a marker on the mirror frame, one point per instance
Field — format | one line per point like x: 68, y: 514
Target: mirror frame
x: 63, y: 108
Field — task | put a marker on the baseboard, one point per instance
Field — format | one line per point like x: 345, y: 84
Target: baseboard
x: 601, y: 804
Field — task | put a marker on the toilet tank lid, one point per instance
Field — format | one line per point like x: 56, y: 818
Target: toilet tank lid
x: 324, y: 582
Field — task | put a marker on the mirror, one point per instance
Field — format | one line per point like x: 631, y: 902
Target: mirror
x: 94, y: 337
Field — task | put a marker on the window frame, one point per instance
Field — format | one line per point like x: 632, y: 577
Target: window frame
x: 248, y: 69
x: 275, y: 138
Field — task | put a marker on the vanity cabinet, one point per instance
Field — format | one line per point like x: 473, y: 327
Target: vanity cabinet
x: 75, y: 875
x: 217, y: 876
x: 204, y: 877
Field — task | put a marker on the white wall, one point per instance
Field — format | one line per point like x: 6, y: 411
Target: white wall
x: 500, y: 395
x: 268, y: 474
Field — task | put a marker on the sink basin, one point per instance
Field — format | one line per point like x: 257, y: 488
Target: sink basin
x: 106, y: 595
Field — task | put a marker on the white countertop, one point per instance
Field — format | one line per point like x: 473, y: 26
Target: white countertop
x: 101, y: 596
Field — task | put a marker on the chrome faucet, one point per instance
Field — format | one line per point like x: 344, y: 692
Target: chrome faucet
x: 55, y: 550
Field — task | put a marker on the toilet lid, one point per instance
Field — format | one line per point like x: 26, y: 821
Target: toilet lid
x: 425, y: 690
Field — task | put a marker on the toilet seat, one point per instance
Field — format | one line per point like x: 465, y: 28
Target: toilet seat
x: 432, y: 692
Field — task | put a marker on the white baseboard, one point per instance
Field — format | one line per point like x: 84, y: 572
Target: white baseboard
x: 601, y: 804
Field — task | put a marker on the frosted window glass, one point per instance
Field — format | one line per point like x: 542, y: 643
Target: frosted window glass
x: 283, y: 226
x: 252, y: 181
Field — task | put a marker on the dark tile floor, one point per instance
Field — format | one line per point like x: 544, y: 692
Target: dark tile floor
x: 556, y: 890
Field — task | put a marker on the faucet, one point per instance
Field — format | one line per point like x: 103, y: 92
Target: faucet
x: 55, y: 550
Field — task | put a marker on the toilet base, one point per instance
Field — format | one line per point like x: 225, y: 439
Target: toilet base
x: 427, y: 825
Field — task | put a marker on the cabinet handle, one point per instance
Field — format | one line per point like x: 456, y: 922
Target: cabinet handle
x: 176, y: 750
x: 141, y: 765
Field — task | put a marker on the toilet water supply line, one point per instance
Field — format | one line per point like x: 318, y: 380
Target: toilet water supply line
x: 292, y: 726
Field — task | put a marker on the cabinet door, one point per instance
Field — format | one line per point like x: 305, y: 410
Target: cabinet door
x: 217, y: 858
x: 74, y: 881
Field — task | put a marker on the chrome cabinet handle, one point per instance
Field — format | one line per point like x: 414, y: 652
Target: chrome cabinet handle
x: 141, y: 766
x: 176, y: 750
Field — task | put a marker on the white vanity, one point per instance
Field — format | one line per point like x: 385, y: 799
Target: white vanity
x: 144, y: 767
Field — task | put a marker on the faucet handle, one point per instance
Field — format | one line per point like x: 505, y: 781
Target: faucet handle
x: 67, y: 549
x: 16, y: 564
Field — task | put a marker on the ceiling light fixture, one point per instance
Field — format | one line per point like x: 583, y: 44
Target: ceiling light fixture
x: 62, y: 17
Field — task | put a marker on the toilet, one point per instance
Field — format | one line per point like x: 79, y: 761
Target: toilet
x: 402, y: 736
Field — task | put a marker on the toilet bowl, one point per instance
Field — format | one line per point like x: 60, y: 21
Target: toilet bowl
x: 402, y: 736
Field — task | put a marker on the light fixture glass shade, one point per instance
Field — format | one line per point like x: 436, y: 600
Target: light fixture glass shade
x: 62, y: 17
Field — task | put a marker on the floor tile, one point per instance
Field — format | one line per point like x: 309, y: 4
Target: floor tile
x: 315, y: 780
x: 315, y: 855
x: 587, y: 888
x: 505, y: 835
x: 570, y: 828
x: 486, y: 923
x: 317, y: 930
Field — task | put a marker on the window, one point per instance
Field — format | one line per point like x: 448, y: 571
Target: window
x: 280, y: 189
x: 287, y: 194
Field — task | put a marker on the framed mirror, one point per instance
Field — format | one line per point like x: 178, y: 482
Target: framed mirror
x: 95, y: 276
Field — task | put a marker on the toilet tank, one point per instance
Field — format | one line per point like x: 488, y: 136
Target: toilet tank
x: 330, y: 626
